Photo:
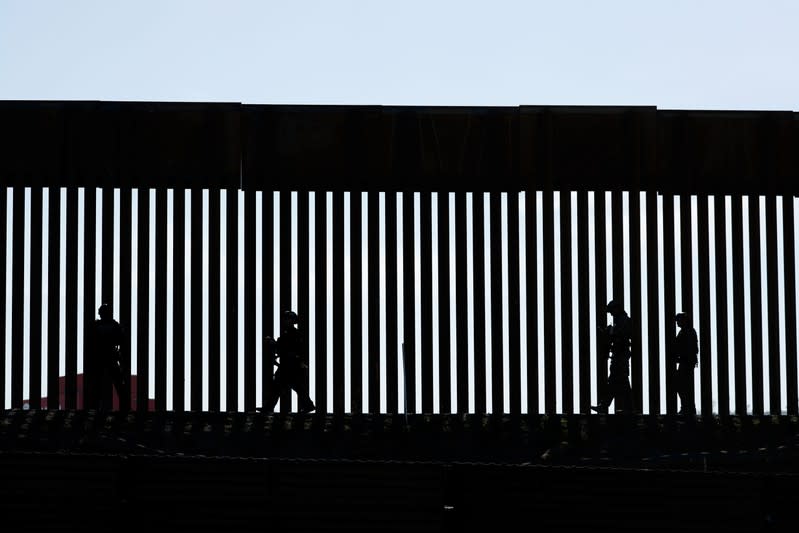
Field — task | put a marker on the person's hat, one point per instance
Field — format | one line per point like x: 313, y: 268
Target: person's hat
x: 678, y: 316
x: 613, y: 305
x: 290, y: 317
x: 105, y: 309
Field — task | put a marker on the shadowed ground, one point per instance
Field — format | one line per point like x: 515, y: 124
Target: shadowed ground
x: 197, y: 471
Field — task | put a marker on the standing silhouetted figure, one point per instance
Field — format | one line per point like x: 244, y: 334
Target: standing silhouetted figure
x: 104, y: 367
x: 684, y: 353
x: 292, y: 370
x: 614, y: 342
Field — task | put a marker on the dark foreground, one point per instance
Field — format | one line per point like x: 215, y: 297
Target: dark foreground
x: 64, y: 470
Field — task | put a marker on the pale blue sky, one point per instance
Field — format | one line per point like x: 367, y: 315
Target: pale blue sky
x: 728, y: 54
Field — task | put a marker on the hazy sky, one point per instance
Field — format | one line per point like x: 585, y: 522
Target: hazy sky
x: 728, y: 54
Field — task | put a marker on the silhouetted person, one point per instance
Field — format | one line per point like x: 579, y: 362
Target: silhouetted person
x: 104, y: 367
x: 614, y: 342
x: 684, y: 353
x: 292, y: 370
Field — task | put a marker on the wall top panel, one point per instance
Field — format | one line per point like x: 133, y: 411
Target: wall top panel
x: 120, y: 144
x: 279, y: 147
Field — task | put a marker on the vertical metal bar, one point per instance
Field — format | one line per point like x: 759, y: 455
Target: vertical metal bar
x: 339, y: 307
x: 125, y: 286
x: 617, y: 250
x: 686, y: 258
x: 392, y: 385
x: 268, y: 295
x: 444, y: 332
x: 3, y: 271
x: 197, y: 326
x: 356, y: 318
x: 461, y: 311
x: 653, y: 300
x: 789, y: 249
x: 669, y: 297
x: 178, y: 299
x: 636, y: 368
x: 722, y: 340
x: 601, y: 270
x: 373, y: 243
x: 531, y: 276
x: 285, y: 274
x: 549, y: 302
x: 35, y: 373
x: 303, y: 271
x: 142, y: 305
x: 18, y: 275
x: 772, y: 289
x: 567, y: 349
x: 756, y: 327
x: 321, y: 302
x: 71, y: 315
x: 704, y: 306
x: 478, y: 246
x: 89, y: 294
x: 249, y: 298
x: 495, y: 229
x: 583, y: 302
x: 409, y: 300
x: 426, y: 232
x: 3, y: 267
x: 214, y: 298
x: 232, y: 303
x: 107, y: 262
x: 514, y: 315
x: 53, y: 292
x: 738, y: 304
x: 160, y: 299
x: 617, y: 221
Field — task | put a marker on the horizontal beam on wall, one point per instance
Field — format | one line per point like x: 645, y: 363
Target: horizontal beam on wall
x: 392, y: 148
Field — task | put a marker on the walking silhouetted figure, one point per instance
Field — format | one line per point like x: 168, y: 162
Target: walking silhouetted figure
x: 104, y: 365
x: 684, y: 353
x: 614, y: 342
x: 292, y: 370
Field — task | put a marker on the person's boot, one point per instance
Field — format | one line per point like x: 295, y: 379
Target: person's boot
x: 308, y: 407
x: 601, y: 409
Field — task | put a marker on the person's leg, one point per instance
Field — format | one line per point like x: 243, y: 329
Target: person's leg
x: 110, y: 383
x: 690, y: 380
x: 620, y: 391
x: 603, y: 385
x: 89, y: 390
x: 278, y: 384
x: 122, y: 390
x: 616, y: 387
x: 606, y: 396
x: 612, y: 392
x: 625, y: 398
x: 301, y: 388
x: 685, y: 389
x: 297, y: 380
x: 671, y: 387
x: 102, y: 390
